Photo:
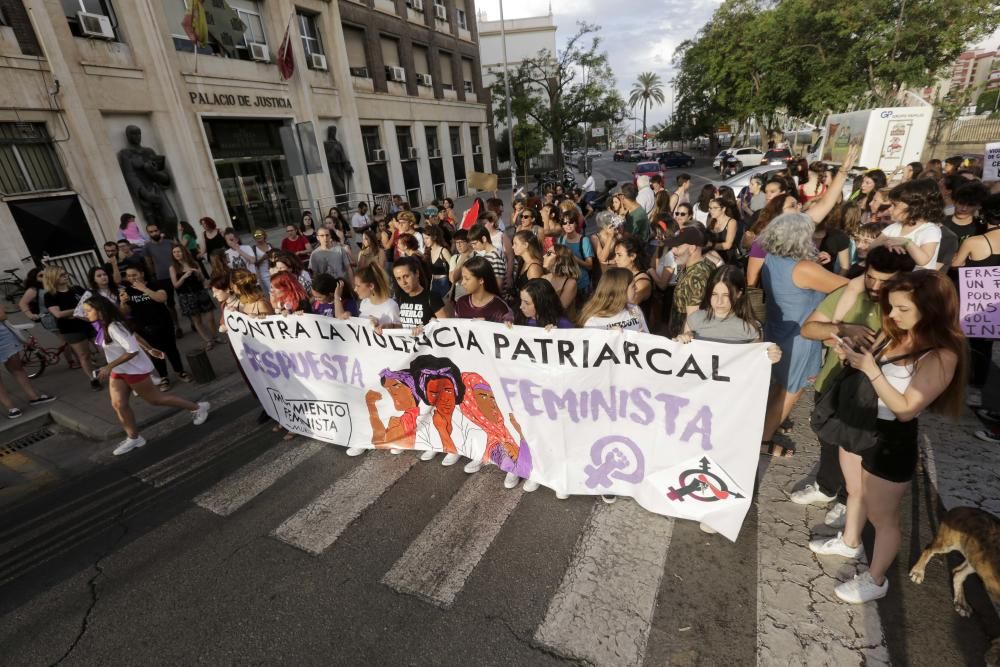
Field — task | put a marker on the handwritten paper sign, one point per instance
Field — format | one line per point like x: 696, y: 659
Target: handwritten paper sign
x: 991, y: 162
x: 979, y: 294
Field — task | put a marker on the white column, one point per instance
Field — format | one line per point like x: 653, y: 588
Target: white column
x: 391, y: 147
x: 423, y: 162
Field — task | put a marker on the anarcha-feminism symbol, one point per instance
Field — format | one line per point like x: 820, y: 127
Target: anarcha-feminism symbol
x: 701, y: 484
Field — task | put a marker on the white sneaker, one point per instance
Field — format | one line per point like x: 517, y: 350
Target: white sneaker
x: 428, y: 455
x: 511, y: 480
x: 201, y: 414
x: 473, y: 466
x: 610, y: 500
x: 395, y: 451
x: 810, y: 494
x: 705, y: 528
x: 862, y: 588
x: 561, y: 496
x: 450, y: 459
x: 356, y: 451
x: 834, y: 546
x: 128, y: 444
x: 529, y: 485
x: 837, y: 516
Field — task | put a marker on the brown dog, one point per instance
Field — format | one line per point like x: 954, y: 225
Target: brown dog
x: 975, y: 534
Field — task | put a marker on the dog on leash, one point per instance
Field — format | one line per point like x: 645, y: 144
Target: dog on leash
x: 975, y: 534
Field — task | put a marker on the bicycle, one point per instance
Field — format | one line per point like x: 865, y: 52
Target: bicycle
x: 35, y: 357
x: 13, y: 286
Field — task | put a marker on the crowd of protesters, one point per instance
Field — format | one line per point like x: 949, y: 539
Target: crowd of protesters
x: 852, y: 285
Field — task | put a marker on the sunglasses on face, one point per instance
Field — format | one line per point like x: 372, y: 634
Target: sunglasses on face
x: 680, y: 215
x: 526, y: 216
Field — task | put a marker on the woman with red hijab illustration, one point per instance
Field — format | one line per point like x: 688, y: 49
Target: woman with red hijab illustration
x: 439, y: 384
x: 512, y: 456
x: 401, y: 431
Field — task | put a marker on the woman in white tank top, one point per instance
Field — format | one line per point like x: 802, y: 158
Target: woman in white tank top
x: 920, y: 365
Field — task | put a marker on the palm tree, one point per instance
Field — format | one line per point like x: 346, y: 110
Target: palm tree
x: 647, y: 89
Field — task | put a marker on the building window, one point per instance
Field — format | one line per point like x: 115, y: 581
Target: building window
x: 405, y: 142
x: 3, y: 17
x: 463, y: 23
x: 372, y: 142
x: 468, y: 85
x: 477, y: 147
x: 455, y: 137
x: 447, y: 77
x: 311, y: 42
x: 249, y: 12
x: 28, y: 160
x: 421, y: 65
x: 390, y: 58
x: 94, y: 27
x: 431, y: 134
x: 357, y: 60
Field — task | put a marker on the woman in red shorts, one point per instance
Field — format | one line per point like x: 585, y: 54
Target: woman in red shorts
x: 128, y: 370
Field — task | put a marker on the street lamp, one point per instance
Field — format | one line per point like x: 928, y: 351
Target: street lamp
x: 510, y: 118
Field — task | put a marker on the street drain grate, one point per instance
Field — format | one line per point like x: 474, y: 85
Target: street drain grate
x: 25, y: 441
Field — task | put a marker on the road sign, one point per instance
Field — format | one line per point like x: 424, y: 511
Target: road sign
x: 597, y: 132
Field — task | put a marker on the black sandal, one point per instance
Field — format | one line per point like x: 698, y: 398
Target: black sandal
x: 786, y: 427
x: 774, y: 450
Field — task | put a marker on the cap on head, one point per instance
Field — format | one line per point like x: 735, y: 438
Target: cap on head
x: 692, y: 235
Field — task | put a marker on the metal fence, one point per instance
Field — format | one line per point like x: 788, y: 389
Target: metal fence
x: 76, y: 264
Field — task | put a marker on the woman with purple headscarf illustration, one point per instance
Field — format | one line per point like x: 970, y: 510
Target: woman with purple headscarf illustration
x: 401, y: 431
x: 439, y: 384
x: 513, y: 457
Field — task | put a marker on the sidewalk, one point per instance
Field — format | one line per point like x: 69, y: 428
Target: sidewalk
x: 74, y: 434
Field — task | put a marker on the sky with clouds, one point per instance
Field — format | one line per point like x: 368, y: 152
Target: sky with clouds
x: 641, y: 38
x: 637, y: 36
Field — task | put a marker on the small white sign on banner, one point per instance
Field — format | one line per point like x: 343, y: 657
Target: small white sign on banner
x: 583, y: 411
x: 991, y: 163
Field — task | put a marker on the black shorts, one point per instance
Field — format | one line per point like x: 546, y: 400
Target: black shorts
x: 894, y: 456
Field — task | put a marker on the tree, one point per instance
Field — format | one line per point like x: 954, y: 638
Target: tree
x: 647, y: 90
x: 548, y: 91
x: 528, y: 142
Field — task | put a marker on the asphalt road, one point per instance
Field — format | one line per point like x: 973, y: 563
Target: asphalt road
x: 227, y: 546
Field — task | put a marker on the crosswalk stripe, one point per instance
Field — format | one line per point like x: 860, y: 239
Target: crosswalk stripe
x: 255, y: 477
x: 436, y: 565
x: 315, y: 527
x: 602, y: 612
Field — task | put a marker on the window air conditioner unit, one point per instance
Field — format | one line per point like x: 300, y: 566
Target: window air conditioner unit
x: 378, y: 155
x: 95, y: 25
x: 260, y: 52
x: 414, y: 154
x: 477, y: 149
x: 318, y: 61
x: 433, y: 152
x: 468, y: 86
x: 395, y: 73
x: 425, y: 80
x: 441, y: 12
x: 360, y: 72
x: 415, y: 5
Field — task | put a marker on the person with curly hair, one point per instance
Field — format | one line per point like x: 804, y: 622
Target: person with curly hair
x: 916, y: 208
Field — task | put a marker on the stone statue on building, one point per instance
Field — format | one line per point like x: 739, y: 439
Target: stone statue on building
x: 340, y: 167
x: 147, y: 178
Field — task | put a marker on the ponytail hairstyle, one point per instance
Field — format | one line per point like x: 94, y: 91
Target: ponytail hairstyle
x: 374, y: 275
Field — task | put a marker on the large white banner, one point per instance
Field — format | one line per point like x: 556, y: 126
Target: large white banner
x: 582, y: 411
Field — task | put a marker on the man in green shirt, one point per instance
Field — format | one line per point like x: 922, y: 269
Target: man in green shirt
x: 859, y: 326
x: 636, y: 220
x: 687, y: 246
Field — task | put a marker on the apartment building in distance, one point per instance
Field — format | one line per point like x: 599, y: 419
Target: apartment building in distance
x: 386, y: 97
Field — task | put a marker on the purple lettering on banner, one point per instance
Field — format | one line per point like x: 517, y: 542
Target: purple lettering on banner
x: 700, y: 425
x: 610, y: 461
x: 671, y: 406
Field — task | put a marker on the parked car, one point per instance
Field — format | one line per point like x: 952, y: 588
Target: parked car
x: 777, y: 156
x: 634, y: 155
x: 620, y: 156
x: 647, y: 169
x: 675, y: 159
x: 593, y: 152
x: 748, y: 157
x: 742, y: 179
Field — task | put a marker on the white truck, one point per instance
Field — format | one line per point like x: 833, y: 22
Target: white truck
x: 890, y: 138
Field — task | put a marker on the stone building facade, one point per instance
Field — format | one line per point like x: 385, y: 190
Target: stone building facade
x: 400, y: 80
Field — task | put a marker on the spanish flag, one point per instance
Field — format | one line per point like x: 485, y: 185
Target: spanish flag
x: 195, y: 24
